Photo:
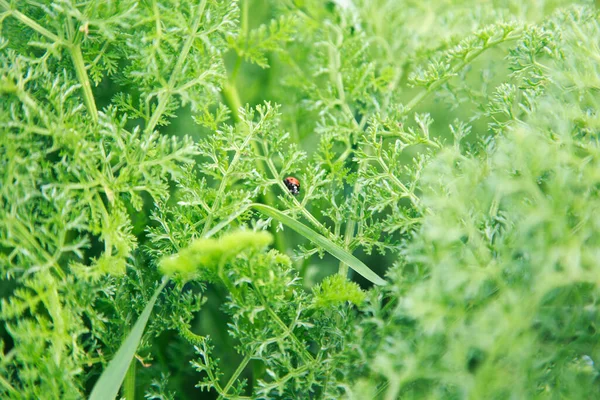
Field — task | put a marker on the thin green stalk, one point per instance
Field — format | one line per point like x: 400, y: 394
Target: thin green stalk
x: 32, y: 24
x: 74, y: 51
x: 413, y: 198
x: 8, y: 387
x: 82, y: 76
x: 348, y: 236
x: 457, y: 68
x: 163, y: 100
x: 309, y: 359
x: 54, y: 307
x: 351, y: 224
x: 337, y: 80
x: 244, y: 23
x: 232, y: 100
x: 223, y: 223
x: 164, y: 97
x: 235, y: 376
x: 223, y: 185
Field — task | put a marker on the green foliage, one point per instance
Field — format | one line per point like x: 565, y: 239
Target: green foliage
x: 336, y: 290
x: 452, y: 148
x: 204, y: 258
x: 335, y: 250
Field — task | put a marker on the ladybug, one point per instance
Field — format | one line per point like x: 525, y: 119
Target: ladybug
x: 292, y: 184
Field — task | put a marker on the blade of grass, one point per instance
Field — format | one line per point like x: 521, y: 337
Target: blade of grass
x: 107, y: 386
x: 329, y: 246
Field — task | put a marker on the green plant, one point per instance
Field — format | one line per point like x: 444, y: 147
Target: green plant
x: 451, y: 148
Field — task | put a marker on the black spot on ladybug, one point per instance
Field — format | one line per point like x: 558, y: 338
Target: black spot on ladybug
x: 292, y: 184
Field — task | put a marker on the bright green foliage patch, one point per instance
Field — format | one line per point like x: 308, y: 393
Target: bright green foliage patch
x: 204, y: 258
x: 336, y: 290
x: 448, y: 147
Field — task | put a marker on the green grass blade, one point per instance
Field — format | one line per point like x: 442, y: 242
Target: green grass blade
x: 111, y: 379
x: 329, y: 246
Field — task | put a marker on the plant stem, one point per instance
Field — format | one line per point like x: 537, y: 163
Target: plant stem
x: 164, y: 97
x: 82, y: 76
x: 74, y: 51
x: 309, y: 359
x: 337, y: 80
x: 431, y: 88
x: 223, y: 184
x: 244, y: 23
x: 9, y: 388
x: 31, y: 23
x: 235, y: 375
x: 231, y: 98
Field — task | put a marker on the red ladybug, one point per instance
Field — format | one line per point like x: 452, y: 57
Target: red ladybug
x: 292, y: 184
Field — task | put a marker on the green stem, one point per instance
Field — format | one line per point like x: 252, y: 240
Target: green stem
x: 407, y: 193
x: 51, y: 300
x: 223, y: 185
x: 234, y: 377
x: 31, y: 23
x: 351, y: 224
x: 434, y: 86
x: 309, y: 359
x: 73, y: 49
x: 83, y: 78
x: 232, y: 100
x: 129, y: 383
x: 8, y: 387
x: 244, y: 23
x: 337, y: 80
x: 158, y: 112
x: 163, y: 98
x: 223, y: 223
x: 348, y: 236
